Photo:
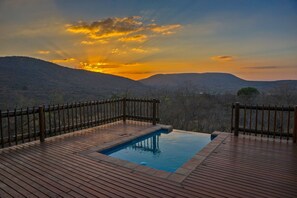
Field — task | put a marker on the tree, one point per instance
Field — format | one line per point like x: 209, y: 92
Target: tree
x: 248, y: 92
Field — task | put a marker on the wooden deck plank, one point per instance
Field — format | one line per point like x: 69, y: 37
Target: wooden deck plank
x: 249, y: 166
x: 233, y: 186
x: 13, y: 189
x: 237, y: 181
x: 75, y: 181
x: 4, y: 194
x: 239, y: 167
x: 78, y: 174
x: 51, y: 183
x: 27, y: 180
x: 247, y: 172
x: 95, y: 171
x: 50, y: 162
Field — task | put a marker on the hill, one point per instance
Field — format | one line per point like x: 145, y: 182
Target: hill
x: 26, y: 81
x: 30, y: 81
x: 212, y: 82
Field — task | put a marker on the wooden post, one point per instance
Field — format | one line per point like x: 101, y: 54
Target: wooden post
x: 236, y: 127
x: 295, y: 125
x: 1, y: 130
x: 232, y: 118
x: 124, y: 109
x: 41, y: 123
x: 154, y: 111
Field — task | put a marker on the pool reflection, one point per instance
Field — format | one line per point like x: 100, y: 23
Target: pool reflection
x: 150, y: 144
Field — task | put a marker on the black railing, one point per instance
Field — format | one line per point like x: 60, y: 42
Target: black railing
x: 30, y: 124
x: 269, y: 121
x: 142, y: 110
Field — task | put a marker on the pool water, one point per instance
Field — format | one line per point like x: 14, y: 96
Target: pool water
x: 160, y: 149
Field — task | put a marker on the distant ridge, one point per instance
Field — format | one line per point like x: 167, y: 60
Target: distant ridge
x: 212, y: 82
x: 34, y: 80
x: 30, y: 81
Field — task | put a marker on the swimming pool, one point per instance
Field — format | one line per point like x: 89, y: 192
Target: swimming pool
x: 161, y: 149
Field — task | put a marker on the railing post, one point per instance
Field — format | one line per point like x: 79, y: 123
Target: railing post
x: 295, y: 125
x: 236, y: 127
x: 232, y: 118
x: 154, y: 111
x: 41, y: 123
x: 124, y: 109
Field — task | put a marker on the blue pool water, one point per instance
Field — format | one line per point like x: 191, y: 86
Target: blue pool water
x: 161, y: 150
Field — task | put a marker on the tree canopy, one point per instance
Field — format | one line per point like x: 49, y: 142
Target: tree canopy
x: 248, y: 91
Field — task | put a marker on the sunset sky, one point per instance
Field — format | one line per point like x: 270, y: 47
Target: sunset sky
x: 253, y: 39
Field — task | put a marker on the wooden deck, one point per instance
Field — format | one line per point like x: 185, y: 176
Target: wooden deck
x: 239, y: 167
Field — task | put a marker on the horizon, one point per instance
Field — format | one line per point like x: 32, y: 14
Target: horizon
x: 152, y: 74
x: 252, y: 40
x: 148, y: 98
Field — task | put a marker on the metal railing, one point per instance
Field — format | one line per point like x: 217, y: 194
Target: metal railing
x: 269, y: 121
x: 30, y: 124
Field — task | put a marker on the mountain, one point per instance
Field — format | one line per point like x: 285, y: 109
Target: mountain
x: 25, y: 80
x: 212, y: 82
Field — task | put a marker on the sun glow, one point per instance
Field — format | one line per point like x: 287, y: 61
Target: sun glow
x: 94, y: 67
x: 179, y: 37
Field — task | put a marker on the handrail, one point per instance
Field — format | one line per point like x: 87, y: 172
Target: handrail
x: 269, y: 121
x: 24, y: 125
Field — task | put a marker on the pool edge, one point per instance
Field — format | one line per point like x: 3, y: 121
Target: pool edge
x: 178, y: 176
x: 181, y: 173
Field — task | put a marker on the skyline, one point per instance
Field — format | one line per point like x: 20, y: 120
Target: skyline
x: 252, y: 40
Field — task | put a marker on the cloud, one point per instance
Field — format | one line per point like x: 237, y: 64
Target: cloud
x: 106, y: 65
x: 135, y: 38
x: 117, y: 51
x: 141, y: 50
x: 87, y: 42
x: 43, y: 52
x: 262, y: 67
x: 222, y: 58
x: 165, y: 29
x: 98, y: 65
x: 93, y: 42
x: 107, y: 28
x: 131, y: 64
x: 126, y: 29
x: 65, y: 60
x: 103, y: 66
x: 135, y: 72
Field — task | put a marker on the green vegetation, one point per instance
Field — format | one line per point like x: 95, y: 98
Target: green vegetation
x: 248, y: 92
x: 194, y: 102
x: 187, y: 109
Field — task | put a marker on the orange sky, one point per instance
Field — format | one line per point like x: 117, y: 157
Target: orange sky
x: 253, y: 40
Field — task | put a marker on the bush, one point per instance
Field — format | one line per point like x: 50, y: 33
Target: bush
x: 248, y: 92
